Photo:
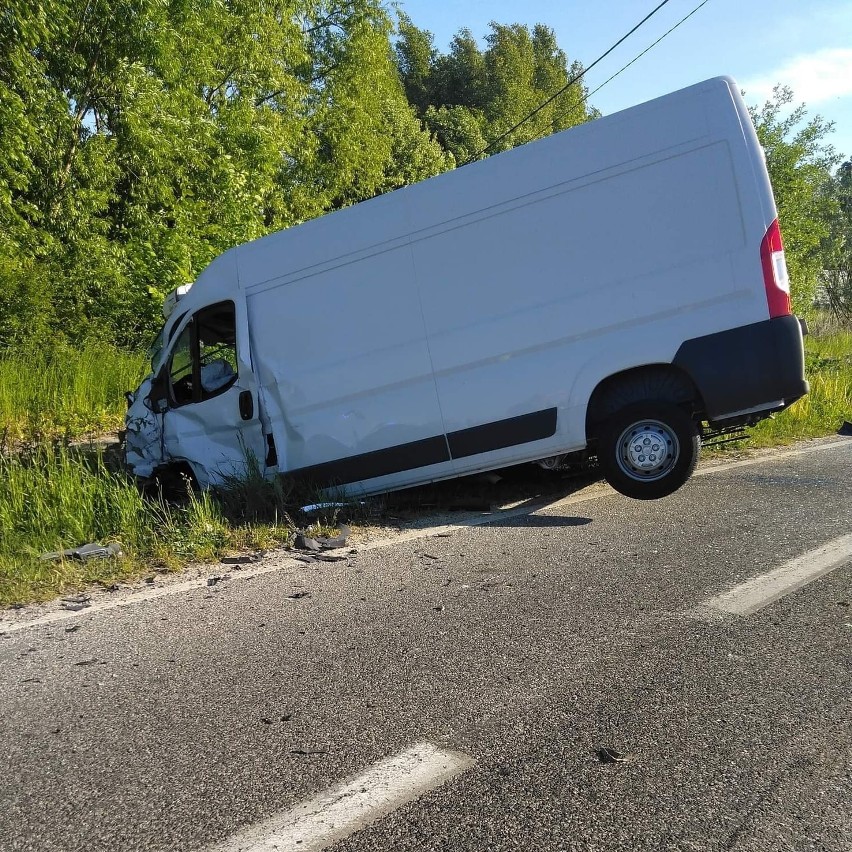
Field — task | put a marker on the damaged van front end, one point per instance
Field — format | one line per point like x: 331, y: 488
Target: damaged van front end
x: 144, y: 446
x: 143, y: 433
x: 198, y: 412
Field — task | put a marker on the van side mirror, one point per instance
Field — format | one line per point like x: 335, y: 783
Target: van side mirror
x: 158, y: 405
x: 157, y: 400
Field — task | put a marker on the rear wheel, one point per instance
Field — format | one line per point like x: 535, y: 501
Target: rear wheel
x: 648, y: 449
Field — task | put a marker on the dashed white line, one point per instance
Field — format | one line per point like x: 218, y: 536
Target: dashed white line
x: 760, y: 591
x: 343, y: 810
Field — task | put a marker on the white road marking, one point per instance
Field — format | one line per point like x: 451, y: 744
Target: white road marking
x: 754, y: 594
x: 343, y: 810
x: 282, y: 561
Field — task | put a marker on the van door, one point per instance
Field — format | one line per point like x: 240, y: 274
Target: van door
x: 212, y: 419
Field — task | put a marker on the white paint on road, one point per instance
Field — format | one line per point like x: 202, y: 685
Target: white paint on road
x: 760, y: 591
x: 343, y: 810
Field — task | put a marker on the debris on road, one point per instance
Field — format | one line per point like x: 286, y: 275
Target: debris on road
x: 93, y: 550
x: 610, y: 755
x: 74, y: 603
x: 315, y: 544
x: 243, y: 560
x: 845, y: 429
x: 305, y: 542
x: 319, y: 557
x: 295, y: 596
x: 338, y: 541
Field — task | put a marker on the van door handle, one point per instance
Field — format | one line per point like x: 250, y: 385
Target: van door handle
x: 246, y: 405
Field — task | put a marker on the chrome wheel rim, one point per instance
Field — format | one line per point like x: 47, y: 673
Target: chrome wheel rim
x: 647, y: 450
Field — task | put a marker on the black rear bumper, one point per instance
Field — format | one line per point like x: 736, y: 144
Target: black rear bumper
x: 753, y: 369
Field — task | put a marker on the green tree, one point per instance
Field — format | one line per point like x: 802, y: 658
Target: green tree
x: 470, y: 99
x: 415, y: 59
x: 837, y: 274
x: 800, y: 163
x: 140, y: 138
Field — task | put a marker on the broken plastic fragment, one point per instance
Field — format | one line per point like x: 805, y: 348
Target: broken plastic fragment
x: 306, y: 542
x: 338, y: 541
x: 93, y: 550
x: 317, y: 507
x: 610, y: 755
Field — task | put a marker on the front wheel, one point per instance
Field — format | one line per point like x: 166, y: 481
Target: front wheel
x: 648, y: 450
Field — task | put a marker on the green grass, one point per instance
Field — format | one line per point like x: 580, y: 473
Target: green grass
x: 828, y: 366
x: 47, y: 393
x: 57, y: 498
x: 54, y: 497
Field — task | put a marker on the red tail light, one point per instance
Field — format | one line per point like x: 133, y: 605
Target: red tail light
x: 775, y: 277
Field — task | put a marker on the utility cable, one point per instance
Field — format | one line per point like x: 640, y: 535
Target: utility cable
x: 570, y: 83
x: 650, y: 46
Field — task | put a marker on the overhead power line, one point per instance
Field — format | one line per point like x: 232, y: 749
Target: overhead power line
x: 649, y: 47
x: 576, y: 78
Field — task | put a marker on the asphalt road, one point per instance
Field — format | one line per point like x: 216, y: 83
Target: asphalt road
x: 527, y: 645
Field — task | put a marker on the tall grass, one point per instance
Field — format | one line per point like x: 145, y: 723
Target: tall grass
x: 62, y: 391
x: 828, y: 366
x: 57, y: 498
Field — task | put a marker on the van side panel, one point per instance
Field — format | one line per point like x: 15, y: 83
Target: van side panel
x: 342, y: 358
x: 463, y: 322
x: 606, y: 270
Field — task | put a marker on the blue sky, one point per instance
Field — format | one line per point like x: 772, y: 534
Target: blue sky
x: 805, y: 44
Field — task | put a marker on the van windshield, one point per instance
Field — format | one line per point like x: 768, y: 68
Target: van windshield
x: 156, y: 348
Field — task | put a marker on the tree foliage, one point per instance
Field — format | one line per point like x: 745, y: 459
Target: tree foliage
x: 800, y: 164
x: 471, y: 99
x: 837, y: 247
x: 140, y: 138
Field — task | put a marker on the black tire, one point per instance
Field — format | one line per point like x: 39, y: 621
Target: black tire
x: 632, y: 441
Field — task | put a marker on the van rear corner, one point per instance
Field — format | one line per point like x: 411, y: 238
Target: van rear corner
x: 747, y: 373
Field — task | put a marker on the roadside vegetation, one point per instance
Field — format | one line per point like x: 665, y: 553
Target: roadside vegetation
x: 828, y: 366
x: 63, y: 392
x: 55, y: 497
x: 57, y: 493
x: 135, y: 147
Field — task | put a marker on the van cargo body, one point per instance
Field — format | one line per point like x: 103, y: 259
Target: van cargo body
x: 605, y: 290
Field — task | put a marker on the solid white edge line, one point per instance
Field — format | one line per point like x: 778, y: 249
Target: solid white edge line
x: 342, y: 810
x: 754, y: 594
x: 587, y: 494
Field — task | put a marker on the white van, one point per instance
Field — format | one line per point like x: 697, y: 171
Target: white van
x: 605, y: 290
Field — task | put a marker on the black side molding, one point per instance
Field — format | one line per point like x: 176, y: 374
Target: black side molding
x: 503, y: 433
x: 440, y: 448
x: 376, y: 463
x: 747, y: 367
